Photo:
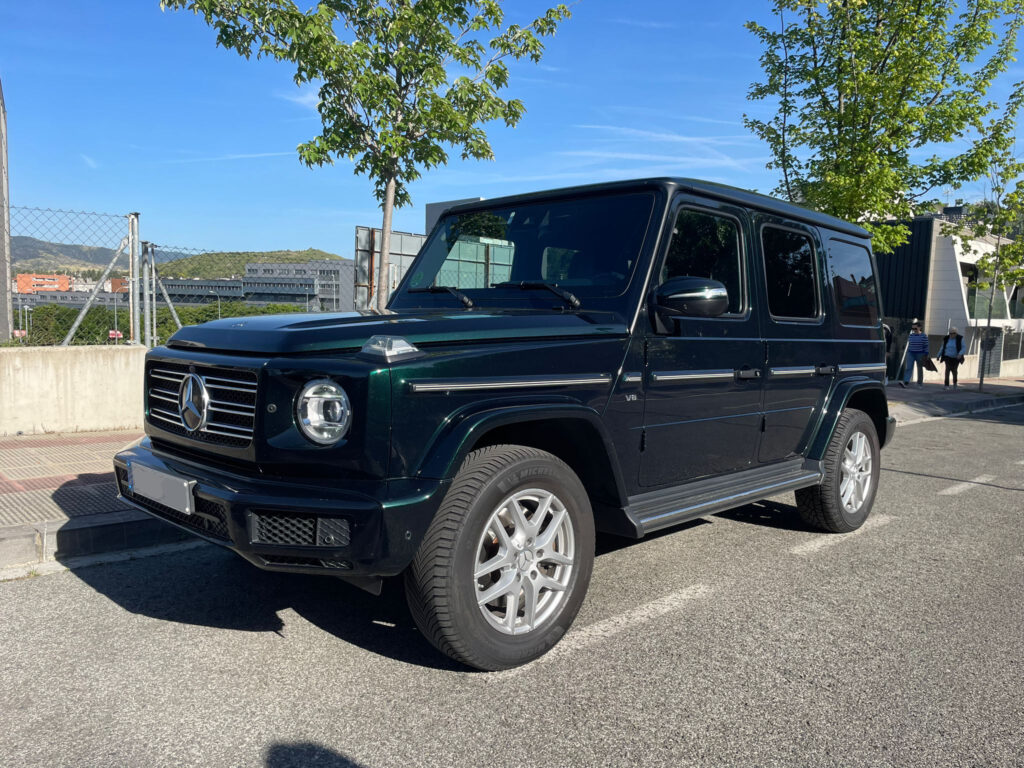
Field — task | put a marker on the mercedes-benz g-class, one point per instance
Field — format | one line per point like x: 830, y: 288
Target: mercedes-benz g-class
x: 620, y: 357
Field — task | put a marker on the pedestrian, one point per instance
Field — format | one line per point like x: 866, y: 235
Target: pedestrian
x: 952, y: 354
x: 917, y: 352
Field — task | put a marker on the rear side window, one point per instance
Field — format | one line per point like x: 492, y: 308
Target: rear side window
x: 853, y: 283
x: 790, y: 274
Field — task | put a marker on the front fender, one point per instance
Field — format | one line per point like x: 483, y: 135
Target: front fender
x: 451, y: 445
x: 859, y: 392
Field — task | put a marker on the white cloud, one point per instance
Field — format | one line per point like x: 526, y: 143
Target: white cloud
x: 241, y: 156
x: 89, y: 161
x: 308, y: 98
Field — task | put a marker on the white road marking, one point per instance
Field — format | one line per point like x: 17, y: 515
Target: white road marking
x: 578, y: 639
x: 1021, y: 461
x: 953, y: 490
x: 830, y: 540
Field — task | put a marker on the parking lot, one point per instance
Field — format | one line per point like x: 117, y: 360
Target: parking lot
x: 741, y: 639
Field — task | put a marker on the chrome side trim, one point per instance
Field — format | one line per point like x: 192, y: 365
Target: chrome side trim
x: 862, y: 367
x: 715, y: 375
x: 752, y: 492
x: 794, y: 370
x: 518, y: 382
x: 632, y: 377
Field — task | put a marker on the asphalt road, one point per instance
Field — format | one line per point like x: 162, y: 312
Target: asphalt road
x: 741, y: 640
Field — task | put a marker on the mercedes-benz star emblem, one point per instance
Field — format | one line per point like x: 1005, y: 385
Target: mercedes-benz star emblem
x: 194, y: 402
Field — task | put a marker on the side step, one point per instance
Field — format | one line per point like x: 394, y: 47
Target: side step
x: 660, y: 509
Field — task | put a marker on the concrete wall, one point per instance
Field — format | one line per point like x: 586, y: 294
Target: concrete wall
x: 70, y: 389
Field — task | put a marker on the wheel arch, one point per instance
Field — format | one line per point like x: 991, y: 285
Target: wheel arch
x: 867, y: 395
x: 575, y: 434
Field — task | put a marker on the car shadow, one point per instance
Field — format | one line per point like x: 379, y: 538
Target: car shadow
x: 769, y: 514
x: 210, y: 586
x: 307, y: 755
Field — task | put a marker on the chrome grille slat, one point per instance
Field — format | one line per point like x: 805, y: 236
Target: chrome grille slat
x: 166, y: 416
x: 251, y: 410
x: 224, y: 386
x: 232, y: 402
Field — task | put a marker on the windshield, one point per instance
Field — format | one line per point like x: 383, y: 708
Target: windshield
x: 588, y: 246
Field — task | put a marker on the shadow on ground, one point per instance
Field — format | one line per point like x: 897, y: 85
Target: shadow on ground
x: 307, y: 755
x: 211, y: 586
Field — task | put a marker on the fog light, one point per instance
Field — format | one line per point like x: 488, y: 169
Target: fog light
x: 323, y: 412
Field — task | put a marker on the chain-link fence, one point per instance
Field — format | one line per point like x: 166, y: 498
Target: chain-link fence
x: 87, y: 278
x: 64, y: 262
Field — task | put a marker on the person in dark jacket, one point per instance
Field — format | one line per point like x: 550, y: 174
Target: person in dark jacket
x: 917, y: 352
x: 952, y: 354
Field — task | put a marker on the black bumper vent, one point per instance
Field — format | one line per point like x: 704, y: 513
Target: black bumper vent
x: 300, y: 530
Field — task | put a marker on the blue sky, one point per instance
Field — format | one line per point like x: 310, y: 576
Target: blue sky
x: 117, y: 106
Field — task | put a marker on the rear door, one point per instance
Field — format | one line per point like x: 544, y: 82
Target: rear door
x: 797, y: 323
x: 703, y: 375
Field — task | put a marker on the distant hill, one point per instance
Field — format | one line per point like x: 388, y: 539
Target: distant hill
x: 31, y: 255
x: 231, y: 264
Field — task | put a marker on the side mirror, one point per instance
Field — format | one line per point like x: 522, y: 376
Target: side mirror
x: 692, y: 296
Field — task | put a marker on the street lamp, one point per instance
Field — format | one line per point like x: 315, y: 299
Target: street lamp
x: 218, y: 301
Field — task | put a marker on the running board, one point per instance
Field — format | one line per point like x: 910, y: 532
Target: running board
x: 660, y: 509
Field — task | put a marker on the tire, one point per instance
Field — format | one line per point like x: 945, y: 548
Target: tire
x: 486, y: 538
x: 843, y: 500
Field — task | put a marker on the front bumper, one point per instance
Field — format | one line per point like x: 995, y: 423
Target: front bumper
x: 287, y: 526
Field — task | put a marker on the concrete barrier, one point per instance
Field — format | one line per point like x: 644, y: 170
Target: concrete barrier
x: 70, y: 389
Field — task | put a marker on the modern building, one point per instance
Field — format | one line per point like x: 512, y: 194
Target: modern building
x: 930, y: 277
x: 27, y: 282
x: 333, y: 279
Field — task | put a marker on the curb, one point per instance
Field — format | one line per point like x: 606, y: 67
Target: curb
x: 988, y: 404
x: 35, y: 543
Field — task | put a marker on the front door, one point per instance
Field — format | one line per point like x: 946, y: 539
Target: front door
x: 703, y: 377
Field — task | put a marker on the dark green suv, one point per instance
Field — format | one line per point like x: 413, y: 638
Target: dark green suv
x: 620, y: 357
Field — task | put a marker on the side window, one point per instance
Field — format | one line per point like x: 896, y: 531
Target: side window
x: 789, y: 273
x: 707, y: 245
x: 853, y: 283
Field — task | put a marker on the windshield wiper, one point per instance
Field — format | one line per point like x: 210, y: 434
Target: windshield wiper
x: 445, y: 289
x: 529, y: 285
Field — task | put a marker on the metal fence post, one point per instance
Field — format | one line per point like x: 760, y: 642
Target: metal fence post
x: 133, y: 278
x: 147, y: 333
x: 6, y: 310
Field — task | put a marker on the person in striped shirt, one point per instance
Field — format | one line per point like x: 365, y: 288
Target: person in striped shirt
x: 917, y: 352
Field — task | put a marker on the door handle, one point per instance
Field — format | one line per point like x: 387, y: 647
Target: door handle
x: 825, y: 370
x: 748, y: 373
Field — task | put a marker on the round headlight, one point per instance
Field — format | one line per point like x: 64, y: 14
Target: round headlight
x: 323, y: 412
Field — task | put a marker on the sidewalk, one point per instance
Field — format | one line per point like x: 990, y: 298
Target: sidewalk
x: 58, y: 499
x: 912, y: 404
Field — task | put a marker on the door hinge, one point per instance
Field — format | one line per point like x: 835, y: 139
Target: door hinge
x: 643, y: 440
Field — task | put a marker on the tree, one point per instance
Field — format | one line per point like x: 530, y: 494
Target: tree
x: 992, y: 221
x: 391, y: 93
x: 866, y: 87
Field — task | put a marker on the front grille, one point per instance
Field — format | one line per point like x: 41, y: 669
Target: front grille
x: 208, y: 519
x: 299, y: 530
x: 232, y: 402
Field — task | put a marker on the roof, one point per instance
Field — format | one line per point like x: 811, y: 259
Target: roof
x: 707, y: 188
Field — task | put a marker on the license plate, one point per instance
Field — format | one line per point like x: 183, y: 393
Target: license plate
x: 162, y: 487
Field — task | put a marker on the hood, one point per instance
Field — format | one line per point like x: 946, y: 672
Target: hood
x: 348, y: 331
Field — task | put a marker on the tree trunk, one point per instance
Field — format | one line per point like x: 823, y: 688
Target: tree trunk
x: 383, y: 279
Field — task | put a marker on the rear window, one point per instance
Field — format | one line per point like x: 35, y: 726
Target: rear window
x: 853, y: 283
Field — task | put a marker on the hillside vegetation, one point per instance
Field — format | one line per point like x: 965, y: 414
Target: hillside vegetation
x: 32, y: 255
x: 232, y: 264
